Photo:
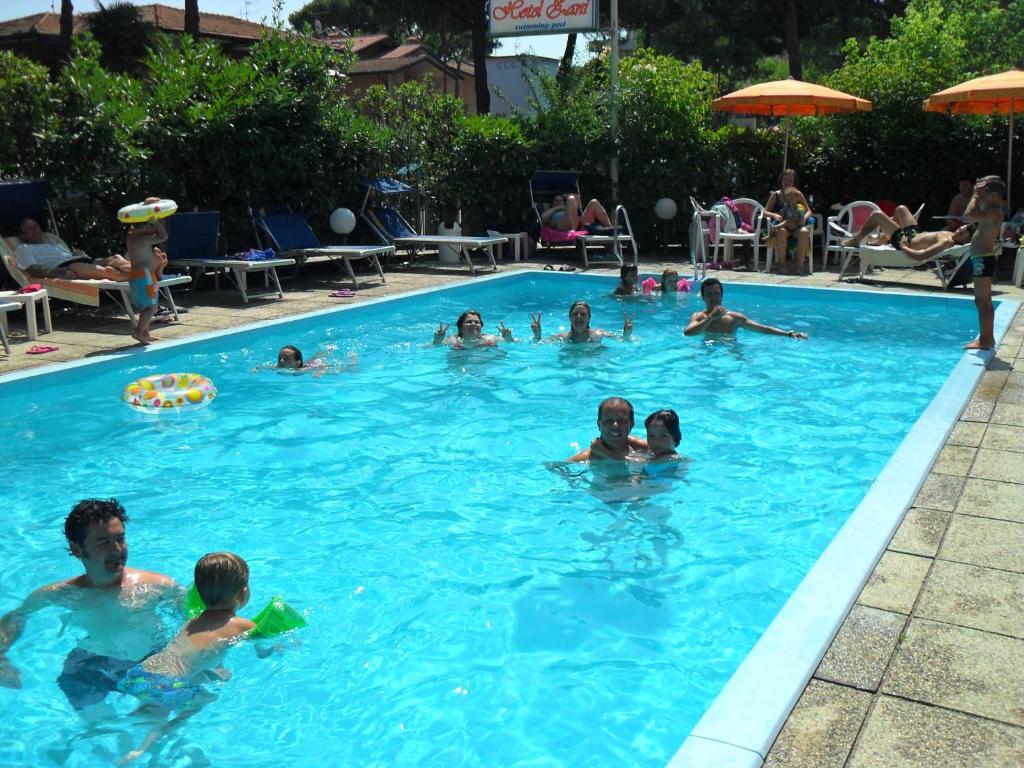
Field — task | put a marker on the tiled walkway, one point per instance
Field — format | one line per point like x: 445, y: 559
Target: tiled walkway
x: 928, y: 669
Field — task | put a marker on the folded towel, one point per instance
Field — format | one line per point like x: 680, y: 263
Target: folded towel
x: 552, y: 235
x: 31, y: 288
x: 254, y: 254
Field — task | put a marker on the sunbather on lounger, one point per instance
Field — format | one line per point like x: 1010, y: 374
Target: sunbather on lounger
x: 564, y: 214
x: 39, y: 258
x: 903, y: 232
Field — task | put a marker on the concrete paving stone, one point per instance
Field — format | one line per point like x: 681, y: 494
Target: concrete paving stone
x: 1015, y: 379
x: 1004, y: 438
x: 1011, y: 395
x: 988, y: 498
x: 906, y: 734
x: 970, y: 596
x: 981, y: 541
x: 862, y: 648
x: 958, y: 668
x: 978, y: 410
x: 968, y: 433
x: 821, y: 728
x: 920, y: 532
x: 1008, y: 413
x: 990, y: 385
x: 939, y: 492
x: 1007, y: 466
x: 954, y: 460
x: 895, y: 582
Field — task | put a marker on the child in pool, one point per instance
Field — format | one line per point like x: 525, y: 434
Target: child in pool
x: 663, y: 436
x: 629, y: 275
x: 165, y: 681
x: 669, y: 281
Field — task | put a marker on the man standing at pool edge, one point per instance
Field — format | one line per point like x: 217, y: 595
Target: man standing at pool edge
x: 112, y: 603
x: 717, y: 319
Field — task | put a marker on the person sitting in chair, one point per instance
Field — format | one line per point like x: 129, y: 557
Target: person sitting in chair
x: 37, y: 257
x: 564, y: 214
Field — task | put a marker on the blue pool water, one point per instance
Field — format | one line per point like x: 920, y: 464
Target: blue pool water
x: 469, y: 602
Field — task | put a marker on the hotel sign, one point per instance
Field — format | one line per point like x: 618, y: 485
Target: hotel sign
x: 509, y: 18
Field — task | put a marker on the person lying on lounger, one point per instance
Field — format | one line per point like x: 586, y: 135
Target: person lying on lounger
x: 902, y: 232
x: 38, y: 258
x: 564, y: 213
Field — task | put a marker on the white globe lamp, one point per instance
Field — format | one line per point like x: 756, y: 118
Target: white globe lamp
x: 343, y: 221
x: 666, y: 209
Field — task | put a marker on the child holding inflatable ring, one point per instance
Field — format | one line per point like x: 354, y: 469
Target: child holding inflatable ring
x: 147, y: 267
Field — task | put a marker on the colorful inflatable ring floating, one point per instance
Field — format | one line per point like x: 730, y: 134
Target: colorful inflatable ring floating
x: 169, y: 391
x: 140, y: 212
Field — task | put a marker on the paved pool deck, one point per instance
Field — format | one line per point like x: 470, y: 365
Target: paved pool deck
x: 927, y: 670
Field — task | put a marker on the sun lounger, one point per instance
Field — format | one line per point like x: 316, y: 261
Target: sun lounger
x: 392, y: 228
x: 192, y: 243
x: 887, y: 256
x: 544, y: 185
x: 290, y: 235
x: 86, y: 291
x: 6, y: 307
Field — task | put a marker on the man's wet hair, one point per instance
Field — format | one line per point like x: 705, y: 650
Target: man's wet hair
x: 464, y: 315
x: 994, y: 184
x: 219, y: 577
x: 711, y: 281
x: 294, y: 350
x: 670, y: 419
x: 609, y: 400
x: 627, y: 269
x: 89, y: 511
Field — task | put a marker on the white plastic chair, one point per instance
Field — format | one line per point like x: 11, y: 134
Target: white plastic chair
x: 751, y: 212
x: 849, y: 219
x: 817, y: 230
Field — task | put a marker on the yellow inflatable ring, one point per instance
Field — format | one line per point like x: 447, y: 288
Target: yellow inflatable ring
x: 141, y: 212
x: 169, y: 391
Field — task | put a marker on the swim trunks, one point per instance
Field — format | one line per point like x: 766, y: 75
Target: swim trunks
x: 984, y: 265
x: 167, y: 691
x: 88, y: 677
x: 904, y: 234
x: 74, y: 261
x: 143, y: 289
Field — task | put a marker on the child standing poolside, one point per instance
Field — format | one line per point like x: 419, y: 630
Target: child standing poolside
x: 986, y: 208
x: 663, y: 436
x: 147, y: 266
x: 164, y: 681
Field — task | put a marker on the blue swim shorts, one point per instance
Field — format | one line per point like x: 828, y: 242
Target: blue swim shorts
x: 143, y: 289
x: 167, y: 691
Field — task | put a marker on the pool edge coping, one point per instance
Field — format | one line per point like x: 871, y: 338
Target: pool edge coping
x: 740, y: 726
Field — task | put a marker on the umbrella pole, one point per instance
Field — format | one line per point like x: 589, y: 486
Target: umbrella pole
x: 785, y: 151
x: 1009, y: 160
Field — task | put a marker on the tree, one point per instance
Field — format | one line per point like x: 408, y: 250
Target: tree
x: 122, y: 34
x: 192, y: 18
x: 67, y: 25
x: 791, y: 38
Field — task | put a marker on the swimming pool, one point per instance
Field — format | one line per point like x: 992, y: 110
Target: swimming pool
x: 468, y: 603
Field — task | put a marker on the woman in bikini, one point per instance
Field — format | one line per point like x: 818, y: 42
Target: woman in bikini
x: 564, y: 214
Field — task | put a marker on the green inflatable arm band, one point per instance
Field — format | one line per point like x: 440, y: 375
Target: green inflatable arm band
x: 276, y: 618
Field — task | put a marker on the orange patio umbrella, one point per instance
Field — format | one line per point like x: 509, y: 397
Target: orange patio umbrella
x: 995, y: 94
x: 787, y: 98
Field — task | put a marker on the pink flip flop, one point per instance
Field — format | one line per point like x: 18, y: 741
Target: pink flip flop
x: 40, y: 349
x: 344, y: 293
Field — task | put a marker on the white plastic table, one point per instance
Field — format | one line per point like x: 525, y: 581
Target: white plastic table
x: 28, y: 301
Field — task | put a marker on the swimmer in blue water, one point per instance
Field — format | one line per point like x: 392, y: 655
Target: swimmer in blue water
x: 663, y: 436
x: 579, y: 326
x: 615, y: 443
x: 166, y: 682
x: 469, y: 332
x: 111, y: 607
x: 715, y: 318
x: 629, y: 275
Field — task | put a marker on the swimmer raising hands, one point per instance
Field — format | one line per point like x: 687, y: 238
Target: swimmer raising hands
x: 580, y: 330
x: 470, y: 331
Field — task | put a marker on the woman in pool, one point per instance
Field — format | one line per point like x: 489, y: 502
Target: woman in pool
x: 579, y: 326
x: 469, y: 333
x: 289, y: 358
x: 663, y: 436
